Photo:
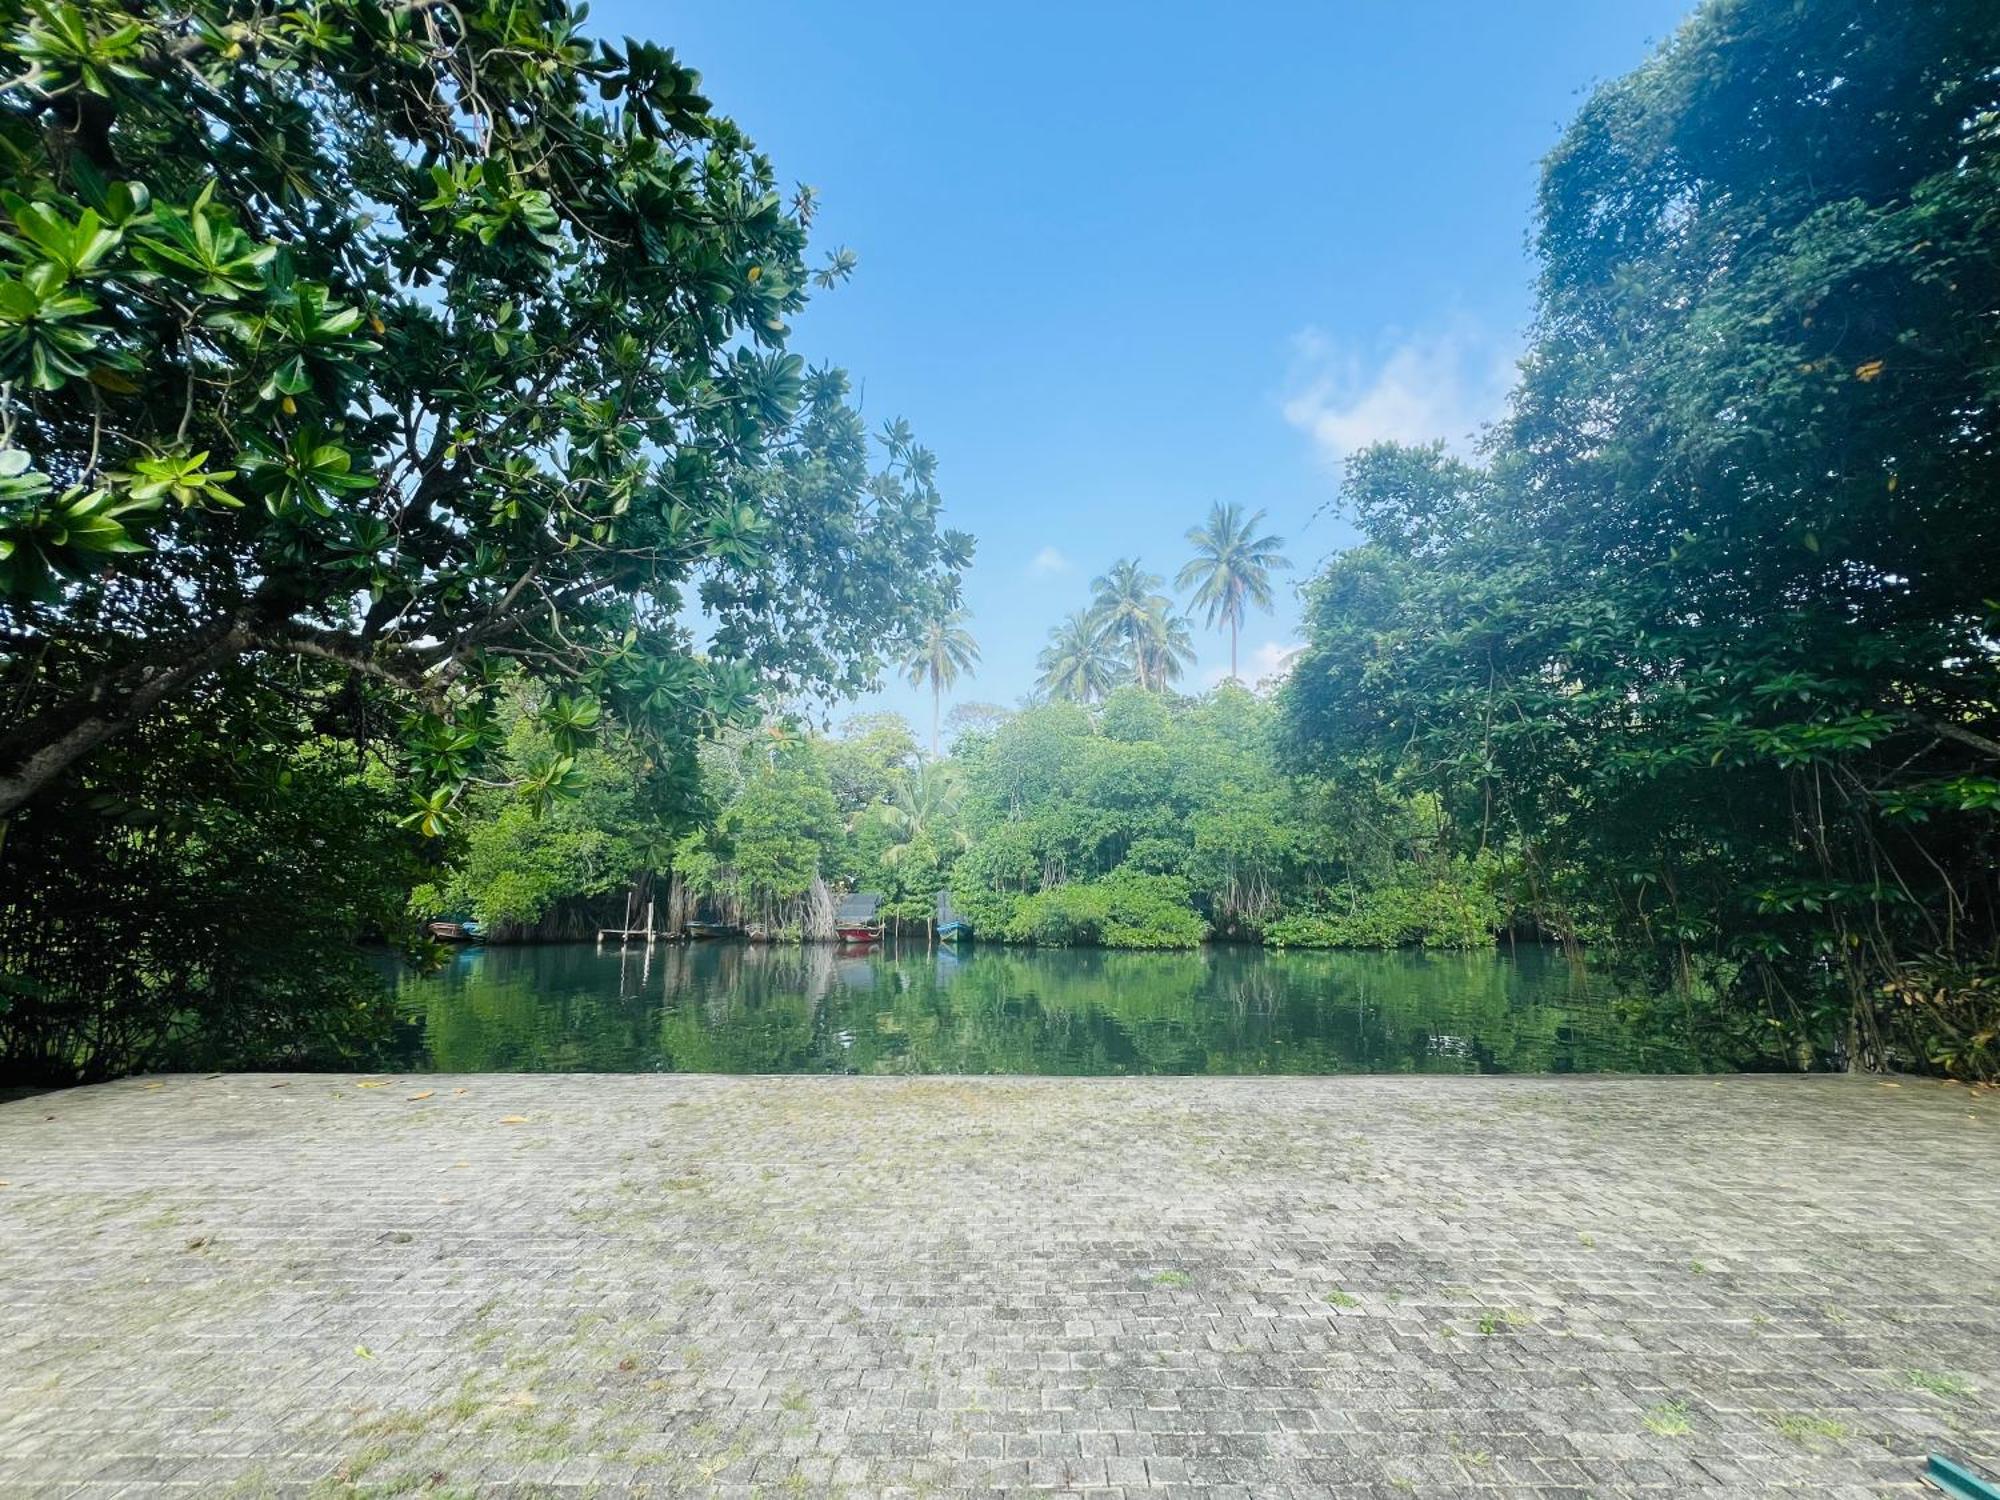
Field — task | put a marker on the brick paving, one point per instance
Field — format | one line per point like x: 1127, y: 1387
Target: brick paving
x: 514, y: 1285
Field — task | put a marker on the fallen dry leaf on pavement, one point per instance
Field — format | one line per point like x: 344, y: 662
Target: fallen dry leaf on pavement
x: 513, y: 1119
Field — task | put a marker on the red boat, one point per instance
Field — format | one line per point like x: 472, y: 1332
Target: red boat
x: 855, y: 921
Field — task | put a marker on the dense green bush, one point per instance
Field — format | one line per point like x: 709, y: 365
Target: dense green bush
x: 193, y: 898
x: 1126, y: 909
x: 1459, y: 910
x: 537, y: 870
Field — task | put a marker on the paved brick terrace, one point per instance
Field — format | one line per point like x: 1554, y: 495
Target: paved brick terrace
x: 804, y: 1286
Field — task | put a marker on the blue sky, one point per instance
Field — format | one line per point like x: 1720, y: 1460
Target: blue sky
x: 1119, y: 260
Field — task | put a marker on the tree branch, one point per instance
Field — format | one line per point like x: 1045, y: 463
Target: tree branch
x: 347, y: 651
x: 1945, y: 729
x: 111, y: 716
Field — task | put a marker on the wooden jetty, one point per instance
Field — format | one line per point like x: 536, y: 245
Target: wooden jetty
x: 628, y: 933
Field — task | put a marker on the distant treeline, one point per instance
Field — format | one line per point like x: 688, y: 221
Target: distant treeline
x: 1149, y: 821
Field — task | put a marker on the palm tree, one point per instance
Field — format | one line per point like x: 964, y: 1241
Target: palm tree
x: 1232, y: 568
x: 1081, y: 661
x: 1133, y: 612
x: 924, y: 805
x: 944, y: 650
x: 1164, y: 650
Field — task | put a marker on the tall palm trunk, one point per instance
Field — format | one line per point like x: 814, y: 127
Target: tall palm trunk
x: 935, y: 691
x: 1233, y: 623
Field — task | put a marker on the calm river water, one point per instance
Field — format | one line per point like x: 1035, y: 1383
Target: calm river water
x: 735, y: 1008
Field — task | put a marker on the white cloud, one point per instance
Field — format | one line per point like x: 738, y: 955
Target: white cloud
x: 1443, y: 383
x: 1271, y: 662
x: 1261, y: 666
x: 1049, y: 560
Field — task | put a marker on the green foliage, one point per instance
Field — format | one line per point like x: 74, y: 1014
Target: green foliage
x: 1706, y: 645
x: 789, y: 813
x: 361, y: 368
x: 1125, y: 909
x: 1455, y: 908
x: 1059, y: 800
x: 537, y: 865
x: 779, y: 827
x: 403, y: 349
x: 1151, y: 822
x: 194, y: 899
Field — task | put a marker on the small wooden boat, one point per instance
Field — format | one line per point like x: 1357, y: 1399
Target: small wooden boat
x: 454, y: 930
x: 855, y: 920
x: 704, y: 931
x: 951, y: 927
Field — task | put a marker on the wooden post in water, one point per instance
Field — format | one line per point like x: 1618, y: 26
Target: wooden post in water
x: 649, y: 921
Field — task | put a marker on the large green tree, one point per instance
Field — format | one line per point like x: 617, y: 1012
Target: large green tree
x: 362, y: 364
x: 394, y: 343
x: 1711, y: 637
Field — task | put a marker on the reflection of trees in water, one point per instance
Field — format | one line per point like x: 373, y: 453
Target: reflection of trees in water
x: 734, y: 1007
x: 542, y: 1009
x: 1256, y: 988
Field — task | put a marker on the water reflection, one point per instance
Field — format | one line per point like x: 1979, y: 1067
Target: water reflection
x: 735, y: 1008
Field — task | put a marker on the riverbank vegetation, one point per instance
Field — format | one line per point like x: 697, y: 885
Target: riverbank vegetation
x: 1691, y: 667
x: 409, y: 506
x: 1147, y: 821
x: 1705, y: 640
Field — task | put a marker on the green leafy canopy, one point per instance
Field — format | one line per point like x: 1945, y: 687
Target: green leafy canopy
x: 409, y: 346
